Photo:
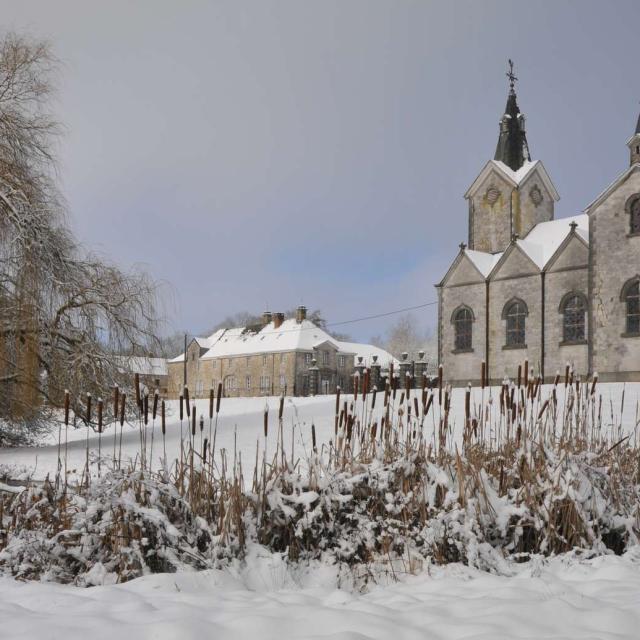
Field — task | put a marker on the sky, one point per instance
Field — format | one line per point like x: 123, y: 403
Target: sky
x: 261, y: 155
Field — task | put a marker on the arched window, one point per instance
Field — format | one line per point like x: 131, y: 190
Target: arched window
x: 631, y: 298
x: 633, y: 208
x: 573, y: 308
x: 515, y: 313
x: 462, y: 324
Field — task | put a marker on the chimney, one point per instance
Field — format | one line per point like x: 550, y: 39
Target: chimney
x: 278, y: 319
x: 301, y: 313
x: 266, y: 318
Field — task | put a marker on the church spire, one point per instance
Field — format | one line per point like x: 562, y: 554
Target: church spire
x: 512, y: 146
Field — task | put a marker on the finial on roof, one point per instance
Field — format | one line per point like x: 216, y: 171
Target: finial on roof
x: 512, y: 147
x: 574, y: 225
x: 514, y: 237
x: 512, y: 77
x: 462, y: 246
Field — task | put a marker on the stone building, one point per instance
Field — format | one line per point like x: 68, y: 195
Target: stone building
x: 530, y: 287
x: 292, y: 356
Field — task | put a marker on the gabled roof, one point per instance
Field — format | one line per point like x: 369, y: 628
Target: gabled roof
x: 603, y: 195
x: 540, y: 245
x: 514, y: 178
x: 483, y: 262
x: 462, y: 254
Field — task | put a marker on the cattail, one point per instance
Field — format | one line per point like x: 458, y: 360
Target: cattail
x: 415, y: 405
x: 193, y: 421
x: 429, y: 402
x: 387, y: 391
x: 543, y: 408
x: 526, y: 373
x: 467, y: 404
x: 66, y: 407
x: 365, y: 384
x: 145, y: 404
x: 204, y: 451
x: 99, y: 416
x: 281, y: 408
x: 483, y: 374
x: 402, y: 398
x: 373, y: 398
x: 88, y: 408
x: 594, y: 383
x: 374, y: 430
x: 313, y: 436
x: 201, y: 422
x: 211, y: 399
x: 519, y: 375
x: 556, y: 379
x: 156, y: 397
x: 218, y: 397
x: 136, y: 384
x: 349, y: 428
x: 186, y: 400
x: 407, y: 385
x: 356, y: 380
x: 162, y: 414
x: 123, y: 401
x: 116, y: 392
x: 181, y: 407
x: 566, y: 375
x: 394, y: 385
x: 440, y: 372
x: 337, y: 400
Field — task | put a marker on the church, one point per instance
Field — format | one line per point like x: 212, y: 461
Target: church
x: 527, y: 286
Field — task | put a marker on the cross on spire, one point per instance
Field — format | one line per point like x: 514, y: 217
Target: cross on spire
x: 511, y: 76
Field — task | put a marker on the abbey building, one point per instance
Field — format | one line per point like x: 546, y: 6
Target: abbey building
x: 530, y: 286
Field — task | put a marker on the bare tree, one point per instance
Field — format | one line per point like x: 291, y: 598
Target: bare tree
x: 406, y: 336
x: 64, y: 314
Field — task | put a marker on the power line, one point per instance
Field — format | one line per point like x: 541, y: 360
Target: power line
x: 383, y: 315
x: 352, y: 321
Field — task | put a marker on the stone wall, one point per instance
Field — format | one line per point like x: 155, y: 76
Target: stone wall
x: 615, y: 258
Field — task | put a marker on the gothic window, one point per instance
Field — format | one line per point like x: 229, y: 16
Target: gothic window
x: 634, y: 216
x: 573, y: 308
x: 631, y: 298
x: 462, y: 323
x: 515, y: 313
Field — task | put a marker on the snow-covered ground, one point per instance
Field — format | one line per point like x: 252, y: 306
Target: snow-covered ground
x: 559, y: 598
x: 240, y: 427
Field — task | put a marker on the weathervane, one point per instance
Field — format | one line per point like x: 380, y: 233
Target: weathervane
x: 511, y: 75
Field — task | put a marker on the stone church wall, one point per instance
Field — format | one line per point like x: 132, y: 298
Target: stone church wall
x: 615, y: 259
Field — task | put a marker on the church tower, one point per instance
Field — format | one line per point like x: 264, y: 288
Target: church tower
x: 512, y: 193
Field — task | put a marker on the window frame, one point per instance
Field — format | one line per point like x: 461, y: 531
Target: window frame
x: 458, y: 345
x: 629, y: 295
x: 510, y: 317
x: 581, y: 324
x: 632, y: 208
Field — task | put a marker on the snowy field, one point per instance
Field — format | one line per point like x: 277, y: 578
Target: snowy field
x: 559, y: 599
x: 240, y: 428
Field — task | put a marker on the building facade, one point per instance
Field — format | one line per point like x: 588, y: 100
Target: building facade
x: 527, y: 286
x: 291, y: 356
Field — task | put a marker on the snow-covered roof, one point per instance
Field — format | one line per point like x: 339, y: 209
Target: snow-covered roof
x: 143, y: 365
x: 484, y: 262
x: 540, y: 244
x: 515, y: 178
x: 367, y: 351
x: 289, y: 336
x: 603, y: 195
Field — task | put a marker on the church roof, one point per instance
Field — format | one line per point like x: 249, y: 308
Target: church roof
x: 514, y: 178
x: 512, y: 148
x: 540, y: 244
